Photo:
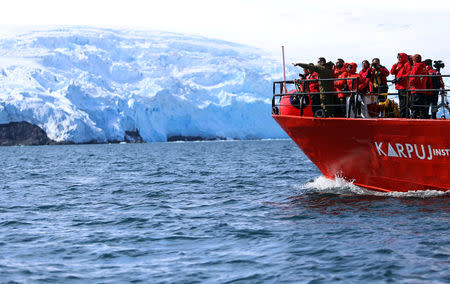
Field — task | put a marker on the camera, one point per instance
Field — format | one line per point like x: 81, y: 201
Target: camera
x: 438, y: 64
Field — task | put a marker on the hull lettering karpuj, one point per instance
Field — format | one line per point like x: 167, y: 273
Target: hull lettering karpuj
x: 410, y: 151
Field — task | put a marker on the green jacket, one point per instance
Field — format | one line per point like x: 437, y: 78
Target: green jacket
x: 328, y: 101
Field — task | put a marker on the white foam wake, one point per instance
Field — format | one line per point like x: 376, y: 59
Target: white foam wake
x: 341, y: 186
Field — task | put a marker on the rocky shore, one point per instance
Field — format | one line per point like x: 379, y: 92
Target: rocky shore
x: 23, y: 133
x: 176, y: 138
x: 26, y: 134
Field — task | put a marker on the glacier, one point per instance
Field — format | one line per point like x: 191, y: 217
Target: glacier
x: 84, y: 84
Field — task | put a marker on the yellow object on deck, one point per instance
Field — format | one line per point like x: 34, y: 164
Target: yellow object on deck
x: 389, y: 108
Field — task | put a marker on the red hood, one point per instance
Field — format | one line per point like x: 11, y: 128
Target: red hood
x: 353, y: 70
x: 403, y: 57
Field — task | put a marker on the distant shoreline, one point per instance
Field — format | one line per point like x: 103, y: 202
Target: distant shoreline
x: 26, y: 134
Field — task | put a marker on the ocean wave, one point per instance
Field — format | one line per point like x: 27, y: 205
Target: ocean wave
x: 341, y: 186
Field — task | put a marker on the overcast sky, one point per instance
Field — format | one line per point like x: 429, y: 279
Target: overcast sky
x: 353, y: 30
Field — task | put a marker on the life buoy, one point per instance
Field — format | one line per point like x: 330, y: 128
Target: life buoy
x: 290, y: 105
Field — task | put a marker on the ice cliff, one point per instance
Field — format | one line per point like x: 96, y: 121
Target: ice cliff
x: 88, y: 84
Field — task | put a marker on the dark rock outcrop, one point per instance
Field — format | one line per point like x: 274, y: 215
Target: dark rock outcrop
x: 192, y: 138
x: 23, y: 133
x: 133, y: 137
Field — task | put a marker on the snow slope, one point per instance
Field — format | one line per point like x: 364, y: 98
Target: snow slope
x: 85, y: 84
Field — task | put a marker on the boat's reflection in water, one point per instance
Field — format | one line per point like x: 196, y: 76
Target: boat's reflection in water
x: 380, y: 205
x: 337, y: 197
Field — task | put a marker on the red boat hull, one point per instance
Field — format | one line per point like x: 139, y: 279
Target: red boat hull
x: 379, y: 154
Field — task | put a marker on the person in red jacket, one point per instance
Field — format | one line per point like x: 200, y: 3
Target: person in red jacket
x: 358, y: 85
x: 378, y: 79
x: 410, y: 59
x: 433, y: 83
x: 340, y: 85
x: 339, y: 67
x: 351, y: 84
x: 400, y: 70
x: 312, y: 87
x: 364, y: 73
x: 419, y: 101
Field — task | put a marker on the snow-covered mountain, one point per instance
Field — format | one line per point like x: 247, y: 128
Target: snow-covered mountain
x: 84, y: 84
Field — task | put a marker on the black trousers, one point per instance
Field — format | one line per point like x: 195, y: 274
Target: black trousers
x: 315, y: 103
x: 342, y: 107
x: 403, y: 98
x: 432, y: 101
x: 419, y: 106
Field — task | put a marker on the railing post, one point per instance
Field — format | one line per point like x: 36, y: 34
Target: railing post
x: 356, y: 95
x: 284, y: 69
x: 408, y: 98
x: 301, y: 104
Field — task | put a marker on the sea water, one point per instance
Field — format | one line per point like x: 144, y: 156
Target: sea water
x: 208, y: 212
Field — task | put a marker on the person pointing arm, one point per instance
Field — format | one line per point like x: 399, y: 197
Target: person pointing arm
x: 324, y: 71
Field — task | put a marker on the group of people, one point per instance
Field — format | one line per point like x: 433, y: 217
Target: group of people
x: 332, y: 94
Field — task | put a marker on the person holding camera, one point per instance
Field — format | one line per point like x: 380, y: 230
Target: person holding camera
x: 339, y: 68
x: 419, y: 101
x: 435, y: 82
x: 400, y: 70
x: 378, y: 79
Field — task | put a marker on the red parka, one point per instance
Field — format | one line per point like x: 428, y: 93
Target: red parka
x: 340, y: 85
x: 362, y: 82
x: 313, y: 86
x: 338, y: 71
x: 418, y: 83
x: 401, y: 70
x: 364, y: 73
